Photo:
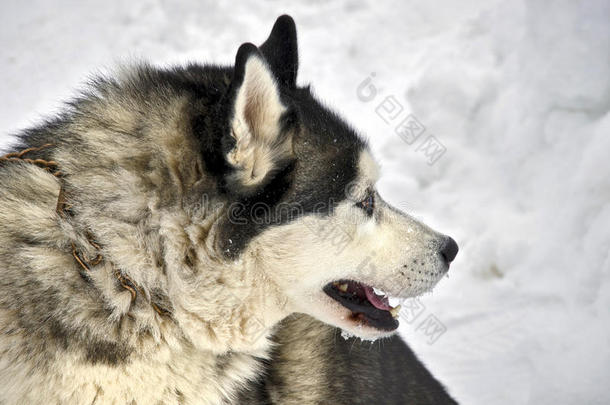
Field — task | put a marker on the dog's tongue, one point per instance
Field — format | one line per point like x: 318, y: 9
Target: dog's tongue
x: 378, y: 301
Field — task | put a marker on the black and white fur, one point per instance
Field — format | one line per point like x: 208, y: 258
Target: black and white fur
x: 136, y: 266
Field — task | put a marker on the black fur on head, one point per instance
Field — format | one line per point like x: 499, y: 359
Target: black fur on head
x: 315, y: 153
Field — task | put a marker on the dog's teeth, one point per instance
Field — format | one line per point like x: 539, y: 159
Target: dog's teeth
x: 378, y: 291
x: 343, y: 287
x: 395, y: 311
x: 393, y: 301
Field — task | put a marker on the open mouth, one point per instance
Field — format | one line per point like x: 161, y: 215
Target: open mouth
x: 368, y: 306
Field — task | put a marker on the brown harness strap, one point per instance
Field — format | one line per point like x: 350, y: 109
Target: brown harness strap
x: 48, y: 165
x: 63, y: 209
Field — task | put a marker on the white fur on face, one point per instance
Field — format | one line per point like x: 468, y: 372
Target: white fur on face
x: 388, y: 250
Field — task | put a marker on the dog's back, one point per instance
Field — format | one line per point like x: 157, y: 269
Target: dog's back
x: 314, y: 364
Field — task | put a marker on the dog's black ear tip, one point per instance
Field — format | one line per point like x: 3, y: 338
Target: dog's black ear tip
x: 281, y: 50
x: 283, y: 29
x: 245, y: 52
x: 285, y: 22
x: 286, y: 18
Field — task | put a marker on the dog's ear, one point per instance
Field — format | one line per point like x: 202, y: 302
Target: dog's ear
x: 260, y: 141
x: 281, y: 51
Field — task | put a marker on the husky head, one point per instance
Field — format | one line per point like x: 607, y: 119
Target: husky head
x: 304, y: 209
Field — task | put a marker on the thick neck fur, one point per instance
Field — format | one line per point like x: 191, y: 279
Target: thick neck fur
x: 147, y: 201
x: 136, y: 186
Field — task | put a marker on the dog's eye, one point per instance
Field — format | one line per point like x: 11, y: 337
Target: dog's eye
x: 368, y: 204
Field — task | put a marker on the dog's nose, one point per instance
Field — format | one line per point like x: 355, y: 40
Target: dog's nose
x: 449, y: 249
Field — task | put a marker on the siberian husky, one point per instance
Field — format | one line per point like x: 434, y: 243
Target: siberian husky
x: 158, y: 236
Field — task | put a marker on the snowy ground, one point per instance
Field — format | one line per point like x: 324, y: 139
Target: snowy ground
x: 517, y: 92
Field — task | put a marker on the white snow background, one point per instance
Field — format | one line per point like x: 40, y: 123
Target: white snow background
x: 519, y: 94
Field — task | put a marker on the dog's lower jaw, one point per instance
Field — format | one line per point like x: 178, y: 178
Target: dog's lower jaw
x: 332, y: 313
